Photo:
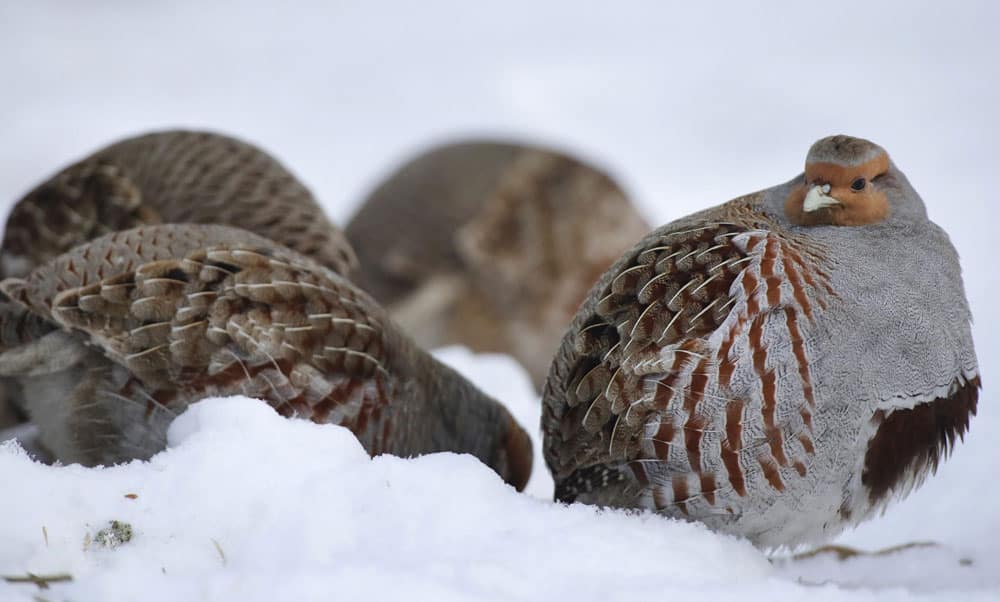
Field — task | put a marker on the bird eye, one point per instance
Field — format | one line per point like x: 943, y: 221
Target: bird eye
x: 858, y: 184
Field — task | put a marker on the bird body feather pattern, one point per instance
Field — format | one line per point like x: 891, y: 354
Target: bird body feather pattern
x: 741, y: 369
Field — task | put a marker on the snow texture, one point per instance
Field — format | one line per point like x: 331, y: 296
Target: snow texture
x: 688, y: 104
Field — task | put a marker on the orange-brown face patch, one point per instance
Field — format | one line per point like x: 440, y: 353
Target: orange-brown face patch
x: 857, y: 208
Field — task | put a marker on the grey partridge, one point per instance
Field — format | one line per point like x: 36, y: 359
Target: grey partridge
x: 491, y: 245
x: 129, y: 329
x: 778, y: 367
x: 172, y: 176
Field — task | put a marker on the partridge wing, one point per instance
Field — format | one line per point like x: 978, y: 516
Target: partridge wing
x: 684, y: 355
x: 193, y: 311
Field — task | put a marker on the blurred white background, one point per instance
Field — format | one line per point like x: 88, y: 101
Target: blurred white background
x: 689, y: 104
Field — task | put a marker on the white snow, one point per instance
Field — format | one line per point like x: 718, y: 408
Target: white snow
x: 689, y: 104
x: 247, y: 505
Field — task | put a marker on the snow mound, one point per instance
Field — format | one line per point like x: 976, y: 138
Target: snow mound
x: 246, y: 505
x: 502, y: 377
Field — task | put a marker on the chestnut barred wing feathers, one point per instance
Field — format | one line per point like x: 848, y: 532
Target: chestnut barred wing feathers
x: 118, y: 253
x: 613, y: 348
x: 183, y: 312
x: 190, y: 308
x: 658, y: 371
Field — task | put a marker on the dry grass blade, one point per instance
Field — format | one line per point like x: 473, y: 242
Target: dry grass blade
x: 42, y: 581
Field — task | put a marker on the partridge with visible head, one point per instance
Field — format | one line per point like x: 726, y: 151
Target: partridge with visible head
x: 778, y: 367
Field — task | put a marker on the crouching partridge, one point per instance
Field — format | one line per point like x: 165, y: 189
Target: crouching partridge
x: 130, y: 328
x: 778, y: 367
x: 173, y: 176
x: 491, y: 245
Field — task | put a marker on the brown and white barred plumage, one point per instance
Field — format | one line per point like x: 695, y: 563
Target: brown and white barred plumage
x: 173, y: 176
x: 710, y: 373
x: 679, y: 292
x: 149, y: 320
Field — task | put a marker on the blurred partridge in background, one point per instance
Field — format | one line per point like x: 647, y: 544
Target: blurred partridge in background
x: 491, y: 245
x: 778, y: 367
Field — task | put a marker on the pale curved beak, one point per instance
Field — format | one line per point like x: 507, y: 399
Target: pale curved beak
x: 817, y: 198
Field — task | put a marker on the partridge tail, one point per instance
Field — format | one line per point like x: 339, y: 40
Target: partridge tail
x: 514, y: 457
x: 460, y: 418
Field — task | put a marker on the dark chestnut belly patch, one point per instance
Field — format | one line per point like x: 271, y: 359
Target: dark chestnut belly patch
x: 913, y: 441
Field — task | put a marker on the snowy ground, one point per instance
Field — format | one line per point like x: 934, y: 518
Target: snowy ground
x: 246, y: 505
x: 688, y: 106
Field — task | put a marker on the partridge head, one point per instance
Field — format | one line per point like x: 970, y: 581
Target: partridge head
x: 839, y: 184
x: 491, y: 245
x: 778, y: 367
